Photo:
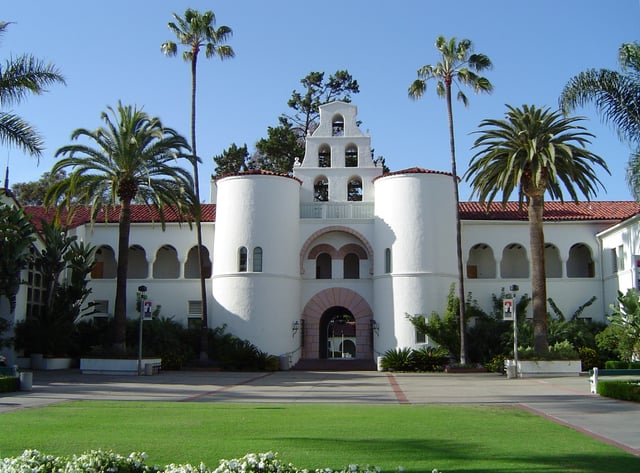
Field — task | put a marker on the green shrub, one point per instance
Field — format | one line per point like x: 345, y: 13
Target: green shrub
x: 623, y: 390
x: 616, y: 365
x: 9, y: 384
x: 589, y: 358
x: 400, y: 359
x: 496, y: 364
x: 430, y: 359
x: 634, y: 365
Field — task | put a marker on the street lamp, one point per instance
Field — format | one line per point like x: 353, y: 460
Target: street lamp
x: 514, y: 288
x: 142, y: 296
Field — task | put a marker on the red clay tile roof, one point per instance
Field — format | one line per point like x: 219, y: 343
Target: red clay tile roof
x: 553, y: 211
x: 614, y: 211
x: 139, y: 214
x: 414, y: 170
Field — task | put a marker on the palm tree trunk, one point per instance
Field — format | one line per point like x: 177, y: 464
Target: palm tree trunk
x: 204, y: 330
x: 538, y: 275
x: 120, y: 311
x: 454, y: 173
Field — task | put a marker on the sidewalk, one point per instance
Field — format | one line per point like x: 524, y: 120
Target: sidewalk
x: 564, y: 400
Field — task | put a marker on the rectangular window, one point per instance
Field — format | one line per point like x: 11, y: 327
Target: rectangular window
x: 420, y: 337
x: 387, y: 260
x: 620, y: 255
x: 101, y: 307
x: 195, y: 308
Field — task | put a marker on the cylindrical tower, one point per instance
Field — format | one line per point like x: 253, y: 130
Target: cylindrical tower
x: 256, y: 262
x: 415, y: 247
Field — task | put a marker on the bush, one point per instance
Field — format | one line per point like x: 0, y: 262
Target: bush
x: 430, y: 359
x: 623, y: 390
x: 9, y: 384
x: 400, y: 359
x: 589, y: 358
x: 634, y: 365
x: 496, y: 364
x: 616, y: 365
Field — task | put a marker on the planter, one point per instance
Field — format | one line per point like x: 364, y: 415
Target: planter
x: 38, y: 362
x: 551, y: 368
x: 126, y: 366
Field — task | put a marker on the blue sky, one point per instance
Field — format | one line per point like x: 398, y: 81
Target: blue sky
x: 110, y: 51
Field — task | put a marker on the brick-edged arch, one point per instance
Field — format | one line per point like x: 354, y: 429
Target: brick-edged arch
x: 352, y: 248
x: 335, y: 228
x: 332, y: 297
x: 323, y: 248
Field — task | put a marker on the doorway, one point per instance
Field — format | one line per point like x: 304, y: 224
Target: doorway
x: 337, y: 334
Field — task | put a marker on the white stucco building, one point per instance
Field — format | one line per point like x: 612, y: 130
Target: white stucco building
x: 295, y: 258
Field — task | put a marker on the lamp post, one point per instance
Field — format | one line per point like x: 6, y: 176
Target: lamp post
x: 514, y: 288
x: 142, y: 296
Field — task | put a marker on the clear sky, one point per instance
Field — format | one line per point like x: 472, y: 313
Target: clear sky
x: 110, y: 51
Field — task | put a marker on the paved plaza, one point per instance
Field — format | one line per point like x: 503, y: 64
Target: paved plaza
x: 565, y: 400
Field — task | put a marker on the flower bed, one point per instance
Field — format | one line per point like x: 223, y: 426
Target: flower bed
x: 98, y: 460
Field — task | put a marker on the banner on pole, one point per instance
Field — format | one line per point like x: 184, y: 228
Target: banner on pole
x: 508, y: 309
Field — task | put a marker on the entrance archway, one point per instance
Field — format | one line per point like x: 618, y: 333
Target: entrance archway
x: 337, y: 334
x: 325, y: 306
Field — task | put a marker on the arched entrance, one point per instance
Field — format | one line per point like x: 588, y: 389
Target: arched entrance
x: 337, y: 334
x: 322, y: 316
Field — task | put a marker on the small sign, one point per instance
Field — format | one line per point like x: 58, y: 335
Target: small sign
x: 508, y: 309
x: 147, y: 309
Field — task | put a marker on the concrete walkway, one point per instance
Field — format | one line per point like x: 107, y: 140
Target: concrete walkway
x: 564, y: 400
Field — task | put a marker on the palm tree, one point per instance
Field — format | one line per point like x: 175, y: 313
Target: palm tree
x: 616, y: 96
x: 534, y: 151
x: 459, y: 66
x: 196, y: 31
x: 20, y: 76
x: 134, y: 157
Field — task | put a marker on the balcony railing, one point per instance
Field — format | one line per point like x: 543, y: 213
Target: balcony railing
x: 353, y: 210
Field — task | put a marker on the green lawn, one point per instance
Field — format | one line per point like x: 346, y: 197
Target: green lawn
x: 418, y: 438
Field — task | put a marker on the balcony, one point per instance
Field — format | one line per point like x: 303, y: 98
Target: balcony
x: 346, y: 210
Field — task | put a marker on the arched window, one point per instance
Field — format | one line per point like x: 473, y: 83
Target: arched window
x: 552, y: 262
x: 580, y: 264
x: 166, y: 264
x: 323, y: 266
x: 514, y: 262
x: 351, y: 156
x: 138, y: 266
x: 354, y: 190
x: 324, y: 156
x: 105, y: 264
x: 481, y: 263
x: 321, y: 189
x: 351, y: 266
x: 242, y: 259
x: 387, y: 260
x: 337, y: 126
x: 191, y: 270
x: 257, y: 259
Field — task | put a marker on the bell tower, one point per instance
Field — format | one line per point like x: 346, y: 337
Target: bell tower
x: 337, y: 165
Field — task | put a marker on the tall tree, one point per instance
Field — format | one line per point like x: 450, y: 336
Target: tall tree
x: 20, y: 76
x: 32, y: 193
x: 458, y: 66
x: 533, y: 152
x: 280, y: 149
x: 616, y: 96
x: 195, y: 31
x: 232, y: 160
x: 132, y: 156
x: 317, y: 91
x: 286, y: 141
